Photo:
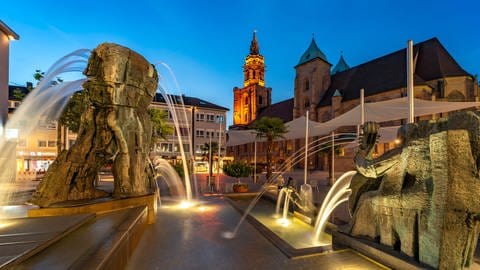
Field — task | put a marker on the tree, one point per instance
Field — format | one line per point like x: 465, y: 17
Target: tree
x: 238, y: 169
x: 208, y: 155
x: 270, y: 128
x: 39, y: 76
x: 70, y: 117
x: 160, y: 126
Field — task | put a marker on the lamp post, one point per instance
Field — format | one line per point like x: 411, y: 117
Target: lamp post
x: 219, y: 151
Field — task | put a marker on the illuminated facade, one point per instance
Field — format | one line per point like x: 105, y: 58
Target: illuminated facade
x: 6, y: 35
x: 327, y: 91
x: 249, y: 100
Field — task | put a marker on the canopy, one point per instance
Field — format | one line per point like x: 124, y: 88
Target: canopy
x: 389, y: 110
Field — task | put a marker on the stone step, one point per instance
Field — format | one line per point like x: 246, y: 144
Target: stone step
x: 103, y: 242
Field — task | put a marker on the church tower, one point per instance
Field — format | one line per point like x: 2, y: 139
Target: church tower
x: 254, y: 95
x: 311, y: 81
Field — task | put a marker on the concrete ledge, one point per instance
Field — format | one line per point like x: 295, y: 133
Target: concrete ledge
x: 377, y: 252
x: 100, y: 207
x: 117, y: 249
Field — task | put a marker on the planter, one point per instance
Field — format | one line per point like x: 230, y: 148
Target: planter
x: 240, y: 188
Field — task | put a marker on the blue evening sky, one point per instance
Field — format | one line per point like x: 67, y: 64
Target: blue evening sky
x: 205, y: 42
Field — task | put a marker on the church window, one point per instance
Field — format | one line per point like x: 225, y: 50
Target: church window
x: 307, y: 103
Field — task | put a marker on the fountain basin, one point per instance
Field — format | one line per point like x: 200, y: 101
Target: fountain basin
x: 293, y: 237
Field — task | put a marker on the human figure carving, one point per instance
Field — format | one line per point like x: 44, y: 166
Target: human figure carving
x: 422, y: 197
x: 120, y: 85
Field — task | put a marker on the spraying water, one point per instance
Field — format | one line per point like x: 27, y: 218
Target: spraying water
x: 165, y: 170
x: 179, y: 115
x: 44, y: 104
x: 338, y: 194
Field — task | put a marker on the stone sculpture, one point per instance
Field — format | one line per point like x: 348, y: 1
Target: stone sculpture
x: 120, y: 86
x: 422, y: 197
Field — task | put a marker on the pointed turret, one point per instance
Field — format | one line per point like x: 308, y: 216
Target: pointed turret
x: 311, y: 53
x: 254, y: 49
x: 340, y: 66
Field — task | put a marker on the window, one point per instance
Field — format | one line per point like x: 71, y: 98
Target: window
x: 199, y: 133
x: 307, y: 103
x: 200, y: 117
x: 183, y: 131
x: 165, y: 147
x: 42, y: 143
x: 47, y: 124
x: 210, y: 118
x: 199, y: 148
x: 246, y: 100
x: 219, y: 119
x: 52, y: 143
x: 260, y: 100
x: 307, y: 85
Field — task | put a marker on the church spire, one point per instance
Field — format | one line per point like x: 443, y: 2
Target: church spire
x: 254, y: 49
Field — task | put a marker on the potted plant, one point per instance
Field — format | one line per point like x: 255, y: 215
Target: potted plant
x: 238, y: 169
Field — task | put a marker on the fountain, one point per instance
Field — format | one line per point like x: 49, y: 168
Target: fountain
x: 285, y: 194
x: 338, y: 193
x: 164, y: 170
x: 42, y: 105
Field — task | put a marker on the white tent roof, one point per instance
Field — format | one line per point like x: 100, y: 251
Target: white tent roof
x: 393, y: 109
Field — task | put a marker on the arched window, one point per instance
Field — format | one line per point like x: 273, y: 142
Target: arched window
x: 307, y: 103
x: 246, y: 100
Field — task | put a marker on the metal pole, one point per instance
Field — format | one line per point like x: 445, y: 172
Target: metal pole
x: 255, y: 161
x: 362, y: 113
x: 410, y: 94
x: 219, y: 153
x: 333, y: 157
x: 306, y: 150
x: 210, y: 163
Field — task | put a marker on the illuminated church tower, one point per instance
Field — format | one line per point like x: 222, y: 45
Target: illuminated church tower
x: 254, y: 95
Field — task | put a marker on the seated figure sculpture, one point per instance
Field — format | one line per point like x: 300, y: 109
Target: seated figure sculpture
x: 421, y: 198
x: 120, y: 85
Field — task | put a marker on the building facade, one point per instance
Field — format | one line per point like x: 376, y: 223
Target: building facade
x: 6, y: 35
x: 199, y: 124
x: 326, y: 91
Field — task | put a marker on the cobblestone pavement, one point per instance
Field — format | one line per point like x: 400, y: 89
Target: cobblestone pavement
x: 192, y: 239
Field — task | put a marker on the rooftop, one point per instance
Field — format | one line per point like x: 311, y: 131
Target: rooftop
x: 389, y: 72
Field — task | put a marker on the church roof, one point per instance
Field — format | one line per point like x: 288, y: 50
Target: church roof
x: 311, y: 53
x: 340, y: 66
x: 282, y: 110
x: 389, y: 72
